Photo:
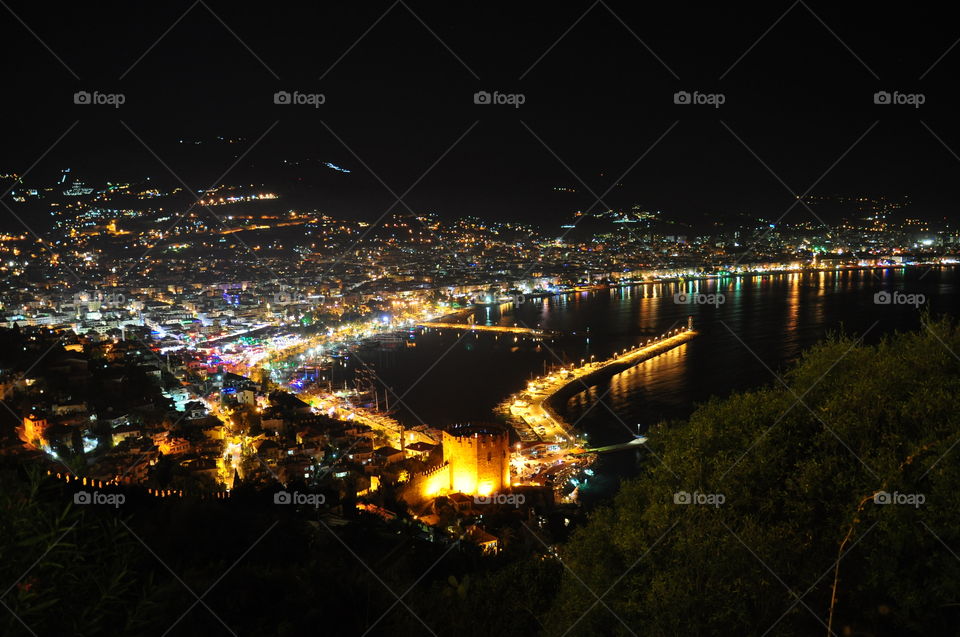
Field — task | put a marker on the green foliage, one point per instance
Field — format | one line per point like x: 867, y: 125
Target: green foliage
x: 68, y: 573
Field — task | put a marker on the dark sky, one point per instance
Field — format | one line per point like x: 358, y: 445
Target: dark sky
x: 596, y: 100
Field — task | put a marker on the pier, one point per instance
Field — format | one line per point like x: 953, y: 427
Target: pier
x: 533, y: 413
x: 636, y: 442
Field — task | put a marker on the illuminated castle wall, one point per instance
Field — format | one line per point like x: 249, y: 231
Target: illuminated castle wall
x: 428, y: 485
x: 479, y: 458
x: 476, y: 461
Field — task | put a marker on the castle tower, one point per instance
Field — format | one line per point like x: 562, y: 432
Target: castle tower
x: 479, y: 458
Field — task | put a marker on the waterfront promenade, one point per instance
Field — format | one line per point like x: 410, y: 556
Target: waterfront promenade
x: 533, y: 411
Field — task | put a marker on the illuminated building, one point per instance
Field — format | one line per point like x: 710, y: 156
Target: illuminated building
x: 476, y: 461
x: 34, y: 429
x: 479, y: 458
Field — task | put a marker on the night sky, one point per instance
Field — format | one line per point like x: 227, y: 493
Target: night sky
x: 598, y: 83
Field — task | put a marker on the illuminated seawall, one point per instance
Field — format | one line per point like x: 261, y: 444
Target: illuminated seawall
x: 534, y: 412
